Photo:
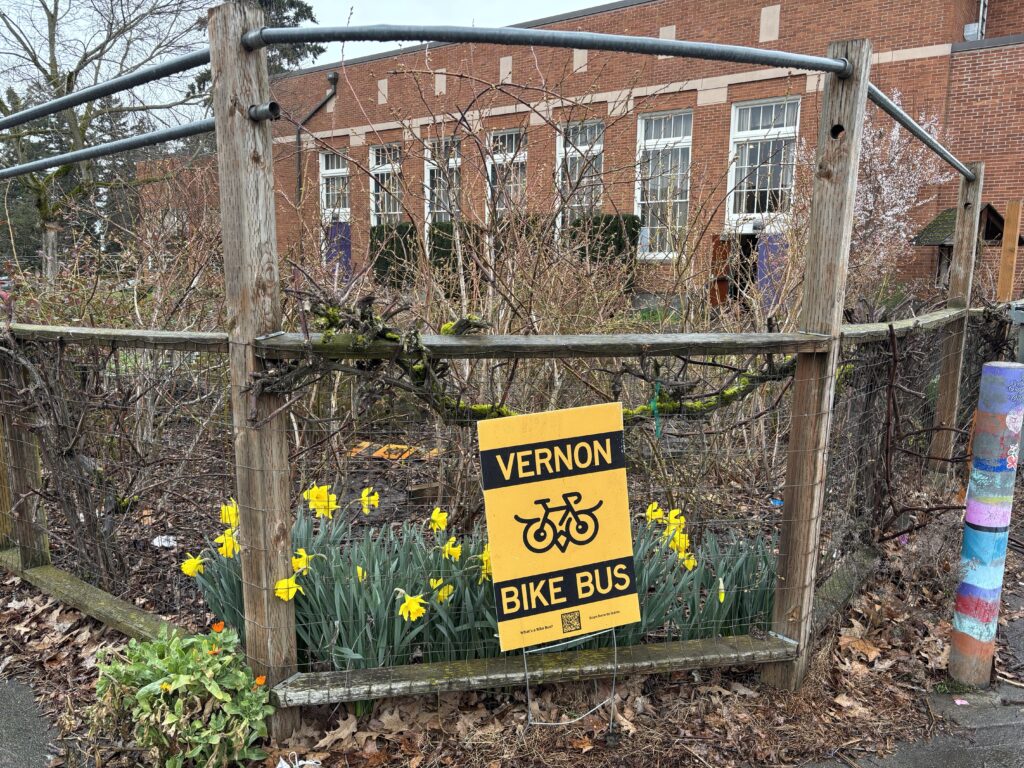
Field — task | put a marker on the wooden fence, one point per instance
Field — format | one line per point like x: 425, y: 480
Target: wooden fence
x: 259, y: 417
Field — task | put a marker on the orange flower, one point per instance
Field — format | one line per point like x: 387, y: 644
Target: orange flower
x: 218, y: 627
x: 261, y: 680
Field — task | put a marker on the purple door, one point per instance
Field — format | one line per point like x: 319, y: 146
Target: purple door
x: 339, y: 247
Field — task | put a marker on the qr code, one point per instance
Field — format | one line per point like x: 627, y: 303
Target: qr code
x: 571, y: 622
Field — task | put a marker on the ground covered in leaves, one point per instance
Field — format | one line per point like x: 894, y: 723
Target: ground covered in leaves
x: 865, y: 692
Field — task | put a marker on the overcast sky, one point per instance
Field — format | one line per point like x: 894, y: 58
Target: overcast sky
x: 462, y: 12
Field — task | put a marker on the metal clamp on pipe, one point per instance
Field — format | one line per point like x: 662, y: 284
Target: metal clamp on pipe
x: 269, y: 111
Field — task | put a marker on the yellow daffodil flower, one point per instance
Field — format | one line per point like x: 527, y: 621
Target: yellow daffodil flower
x: 675, y: 522
x: 286, y: 589
x: 654, y: 512
x: 721, y: 591
x: 451, y: 550
x: 444, y: 591
x: 360, y: 574
x: 485, y: 564
x: 321, y: 501
x: 680, y: 543
x: 369, y: 499
x: 228, y: 543
x: 412, y: 607
x: 438, y: 519
x: 229, y: 513
x: 192, y: 566
x: 689, y: 562
x: 300, y: 561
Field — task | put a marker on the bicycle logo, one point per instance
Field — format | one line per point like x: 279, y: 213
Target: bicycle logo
x: 575, y: 526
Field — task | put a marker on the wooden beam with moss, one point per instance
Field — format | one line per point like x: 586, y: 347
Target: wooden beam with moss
x: 347, y: 346
x: 507, y: 671
x: 92, y: 601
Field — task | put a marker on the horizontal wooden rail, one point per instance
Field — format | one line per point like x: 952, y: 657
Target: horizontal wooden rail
x: 189, y: 341
x: 348, y: 346
x: 92, y: 601
x: 504, y: 671
x: 880, y: 331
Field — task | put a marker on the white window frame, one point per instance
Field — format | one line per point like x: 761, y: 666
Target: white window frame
x: 642, y: 144
x: 335, y: 213
x: 454, y: 172
x: 507, y: 160
x: 594, y: 149
x: 771, y: 221
x: 390, y: 167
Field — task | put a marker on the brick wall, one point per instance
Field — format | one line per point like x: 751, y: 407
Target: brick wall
x: 986, y: 122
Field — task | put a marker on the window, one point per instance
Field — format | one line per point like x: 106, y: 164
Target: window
x: 386, y: 184
x: 334, y: 186
x: 580, y: 157
x: 663, y: 166
x: 442, y: 173
x: 506, y: 171
x: 764, y: 153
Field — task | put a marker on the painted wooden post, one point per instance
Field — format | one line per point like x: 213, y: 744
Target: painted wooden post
x: 252, y: 290
x: 951, y: 360
x: 24, y: 477
x: 831, y: 221
x: 1008, y: 253
x: 986, y: 524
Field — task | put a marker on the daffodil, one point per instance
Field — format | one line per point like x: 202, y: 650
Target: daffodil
x: 192, y: 566
x: 675, y: 522
x: 444, y: 591
x: 300, y: 561
x: 321, y: 501
x: 412, y: 608
x: 228, y: 543
x: 369, y: 499
x: 360, y: 574
x: 485, y: 564
x: 654, y: 512
x: 451, y: 550
x: 689, y: 562
x: 229, y: 513
x: 680, y: 543
x: 438, y: 519
x: 286, y: 589
x: 721, y: 591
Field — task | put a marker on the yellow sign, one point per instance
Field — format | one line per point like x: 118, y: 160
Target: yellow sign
x: 558, y: 524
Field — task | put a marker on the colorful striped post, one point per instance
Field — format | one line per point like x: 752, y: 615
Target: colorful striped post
x: 986, y: 524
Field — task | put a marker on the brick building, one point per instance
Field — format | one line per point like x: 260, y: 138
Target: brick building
x: 468, y: 132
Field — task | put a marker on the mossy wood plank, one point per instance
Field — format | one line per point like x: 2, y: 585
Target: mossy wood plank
x: 349, y: 346
x: 92, y: 601
x: 507, y: 671
x: 123, y: 337
x: 880, y: 331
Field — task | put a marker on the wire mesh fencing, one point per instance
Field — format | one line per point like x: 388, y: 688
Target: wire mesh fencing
x: 389, y: 559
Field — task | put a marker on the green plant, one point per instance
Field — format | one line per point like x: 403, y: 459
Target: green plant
x: 354, y: 578
x: 188, y: 700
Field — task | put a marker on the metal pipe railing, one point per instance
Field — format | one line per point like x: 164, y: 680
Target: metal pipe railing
x: 111, y: 148
x: 896, y: 113
x: 550, y: 38
x: 101, y: 90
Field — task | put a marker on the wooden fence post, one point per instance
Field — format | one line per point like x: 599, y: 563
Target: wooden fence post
x: 252, y: 291
x: 20, y: 451
x: 951, y: 362
x: 1008, y: 253
x: 828, y: 245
